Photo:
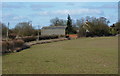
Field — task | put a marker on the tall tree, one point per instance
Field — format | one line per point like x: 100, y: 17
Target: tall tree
x: 69, y: 28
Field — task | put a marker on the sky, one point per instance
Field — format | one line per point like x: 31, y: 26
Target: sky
x: 40, y: 13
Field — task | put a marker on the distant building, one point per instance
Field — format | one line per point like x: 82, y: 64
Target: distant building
x: 53, y: 30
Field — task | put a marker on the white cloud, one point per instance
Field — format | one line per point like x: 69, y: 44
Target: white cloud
x: 70, y: 4
x: 7, y: 16
x: 14, y: 17
x: 72, y: 12
x: 43, y: 13
x: 105, y: 6
x: 108, y: 6
x: 18, y: 17
x: 38, y: 7
x: 12, y: 6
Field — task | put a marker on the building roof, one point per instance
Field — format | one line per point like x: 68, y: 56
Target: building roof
x: 55, y: 27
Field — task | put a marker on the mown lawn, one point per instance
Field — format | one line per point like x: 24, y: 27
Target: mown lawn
x: 80, y: 56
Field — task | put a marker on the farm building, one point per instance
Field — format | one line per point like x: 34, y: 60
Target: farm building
x: 53, y: 30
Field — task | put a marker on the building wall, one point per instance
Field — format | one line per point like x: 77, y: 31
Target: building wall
x: 53, y: 32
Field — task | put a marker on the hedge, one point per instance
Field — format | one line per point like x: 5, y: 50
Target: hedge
x: 13, y: 45
x: 45, y: 37
x: 19, y: 44
x: 29, y: 38
x: 33, y: 38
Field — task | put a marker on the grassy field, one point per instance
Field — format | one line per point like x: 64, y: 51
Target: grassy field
x: 80, y: 56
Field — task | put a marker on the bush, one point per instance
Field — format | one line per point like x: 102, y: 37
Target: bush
x: 62, y: 36
x: 4, y: 46
x: 18, y: 43
x: 10, y: 46
x: 42, y: 37
x: 12, y: 36
x: 29, y: 38
x: 45, y: 37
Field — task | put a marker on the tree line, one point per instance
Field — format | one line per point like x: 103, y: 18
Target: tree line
x: 88, y: 26
x: 84, y: 27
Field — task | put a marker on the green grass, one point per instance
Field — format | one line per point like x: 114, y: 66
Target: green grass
x: 80, y: 56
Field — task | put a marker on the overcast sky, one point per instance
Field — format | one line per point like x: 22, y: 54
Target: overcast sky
x: 40, y: 13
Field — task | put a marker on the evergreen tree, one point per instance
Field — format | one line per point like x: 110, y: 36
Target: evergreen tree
x: 69, y: 28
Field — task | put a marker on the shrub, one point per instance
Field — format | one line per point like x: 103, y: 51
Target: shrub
x: 18, y: 43
x: 12, y: 35
x: 62, y: 35
x: 10, y: 46
x: 7, y: 46
x: 4, y: 46
x: 42, y: 37
x: 29, y: 38
x: 45, y: 37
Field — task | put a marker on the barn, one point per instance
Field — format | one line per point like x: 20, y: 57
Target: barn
x: 53, y: 30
